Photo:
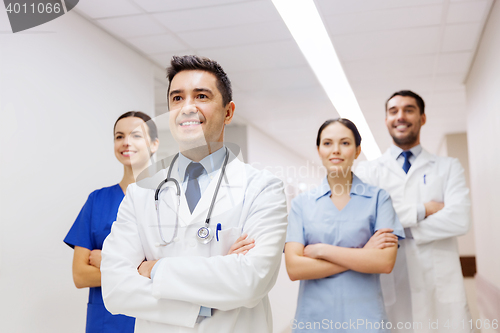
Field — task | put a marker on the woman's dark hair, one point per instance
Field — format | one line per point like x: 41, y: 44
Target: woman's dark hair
x: 194, y: 62
x: 153, y: 131
x: 347, y: 123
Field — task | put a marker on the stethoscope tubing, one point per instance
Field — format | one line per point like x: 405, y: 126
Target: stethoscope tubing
x: 178, y: 194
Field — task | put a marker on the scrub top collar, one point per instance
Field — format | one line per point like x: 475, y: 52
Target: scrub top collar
x: 396, y: 151
x: 357, y: 188
x: 211, y: 163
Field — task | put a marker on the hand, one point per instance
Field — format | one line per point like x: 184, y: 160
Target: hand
x: 95, y: 258
x: 381, y: 239
x: 145, y: 268
x: 242, y: 245
x: 314, y: 251
x: 433, y: 207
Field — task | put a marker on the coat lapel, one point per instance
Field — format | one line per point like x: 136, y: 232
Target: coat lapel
x: 184, y: 213
x: 423, y: 159
x: 230, y: 193
x: 391, y: 164
x: 228, y: 196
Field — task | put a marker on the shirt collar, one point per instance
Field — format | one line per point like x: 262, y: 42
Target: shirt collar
x: 211, y: 163
x: 323, y: 189
x: 357, y: 188
x: 396, y: 151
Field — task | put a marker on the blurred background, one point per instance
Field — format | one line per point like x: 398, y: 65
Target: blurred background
x: 64, y: 83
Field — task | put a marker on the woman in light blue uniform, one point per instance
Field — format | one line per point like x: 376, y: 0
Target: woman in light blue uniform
x: 135, y: 138
x: 341, y: 236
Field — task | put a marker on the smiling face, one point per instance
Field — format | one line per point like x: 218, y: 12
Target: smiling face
x: 403, y: 120
x: 132, y: 142
x: 337, y: 149
x: 197, y: 113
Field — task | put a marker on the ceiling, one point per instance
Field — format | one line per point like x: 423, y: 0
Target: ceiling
x: 384, y: 46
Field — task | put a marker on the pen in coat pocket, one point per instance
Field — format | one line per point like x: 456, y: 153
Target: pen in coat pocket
x: 219, y: 227
x: 424, y: 179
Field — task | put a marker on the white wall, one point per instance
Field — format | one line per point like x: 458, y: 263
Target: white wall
x: 456, y: 146
x: 483, y: 123
x: 62, y: 86
x: 237, y: 134
x: 265, y: 153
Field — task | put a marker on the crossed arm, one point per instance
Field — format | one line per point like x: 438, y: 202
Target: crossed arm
x: 178, y: 290
x: 318, y: 261
x: 87, y: 263
x: 453, y: 217
x: 241, y: 246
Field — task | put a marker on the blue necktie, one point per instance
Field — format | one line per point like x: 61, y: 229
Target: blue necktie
x: 193, y: 194
x: 406, y: 165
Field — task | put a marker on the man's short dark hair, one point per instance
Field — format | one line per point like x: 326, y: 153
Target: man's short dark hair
x: 194, y: 62
x: 409, y: 93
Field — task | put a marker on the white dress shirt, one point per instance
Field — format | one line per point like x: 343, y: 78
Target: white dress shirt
x: 396, y: 153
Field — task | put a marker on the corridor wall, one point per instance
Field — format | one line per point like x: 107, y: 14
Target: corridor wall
x: 62, y: 86
x: 483, y: 122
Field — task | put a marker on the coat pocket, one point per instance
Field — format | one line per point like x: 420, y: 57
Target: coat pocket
x: 448, y: 272
x: 226, y: 238
x: 432, y: 188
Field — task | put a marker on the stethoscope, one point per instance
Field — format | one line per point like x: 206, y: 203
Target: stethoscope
x: 204, y: 235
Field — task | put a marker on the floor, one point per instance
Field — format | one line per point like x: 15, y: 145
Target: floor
x: 470, y: 291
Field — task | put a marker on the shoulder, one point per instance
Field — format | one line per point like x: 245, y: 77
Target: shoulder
x: 379, y: 161
x: 255, y: 183
x: 446, y: 160
x: 257, y: 177
x: 379, y: 197
x: 368, y: 164
x: 383, y: 195
x: 302, y: 200
x: 370, y: 170
x: 136, y: 190
x: 104, y: 192
x: 380, y: 194
x: 446, y: 163
x: 362, y: 188
x: 308, y: 197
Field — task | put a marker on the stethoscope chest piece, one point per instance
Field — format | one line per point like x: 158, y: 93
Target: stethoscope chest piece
x: 204, y: 235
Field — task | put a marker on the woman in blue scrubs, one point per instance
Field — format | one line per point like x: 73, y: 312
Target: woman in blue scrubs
x: 340, y: 237
x: 136, y: 139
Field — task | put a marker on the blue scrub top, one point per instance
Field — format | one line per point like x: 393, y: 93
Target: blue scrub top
x: 91, y: 227
x: 335, y: 302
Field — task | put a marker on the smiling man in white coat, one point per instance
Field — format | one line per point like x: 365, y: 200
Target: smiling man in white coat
x: 431, y: 199
x: 163, y: 269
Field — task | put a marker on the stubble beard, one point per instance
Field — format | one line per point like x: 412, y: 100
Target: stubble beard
x: 410, y: 139
x: 406, y: 141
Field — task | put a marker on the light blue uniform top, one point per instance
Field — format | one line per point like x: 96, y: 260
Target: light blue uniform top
x: 335, y: 302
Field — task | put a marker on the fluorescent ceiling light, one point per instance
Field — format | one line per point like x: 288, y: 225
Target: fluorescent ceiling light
x: 303, y: 20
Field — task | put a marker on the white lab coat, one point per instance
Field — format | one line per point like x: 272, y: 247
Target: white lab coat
x: 426, y: 284
x: 194, y: 274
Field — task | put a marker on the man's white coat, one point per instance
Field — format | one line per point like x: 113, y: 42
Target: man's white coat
x: 193, y: 274
x: 426, y: 284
